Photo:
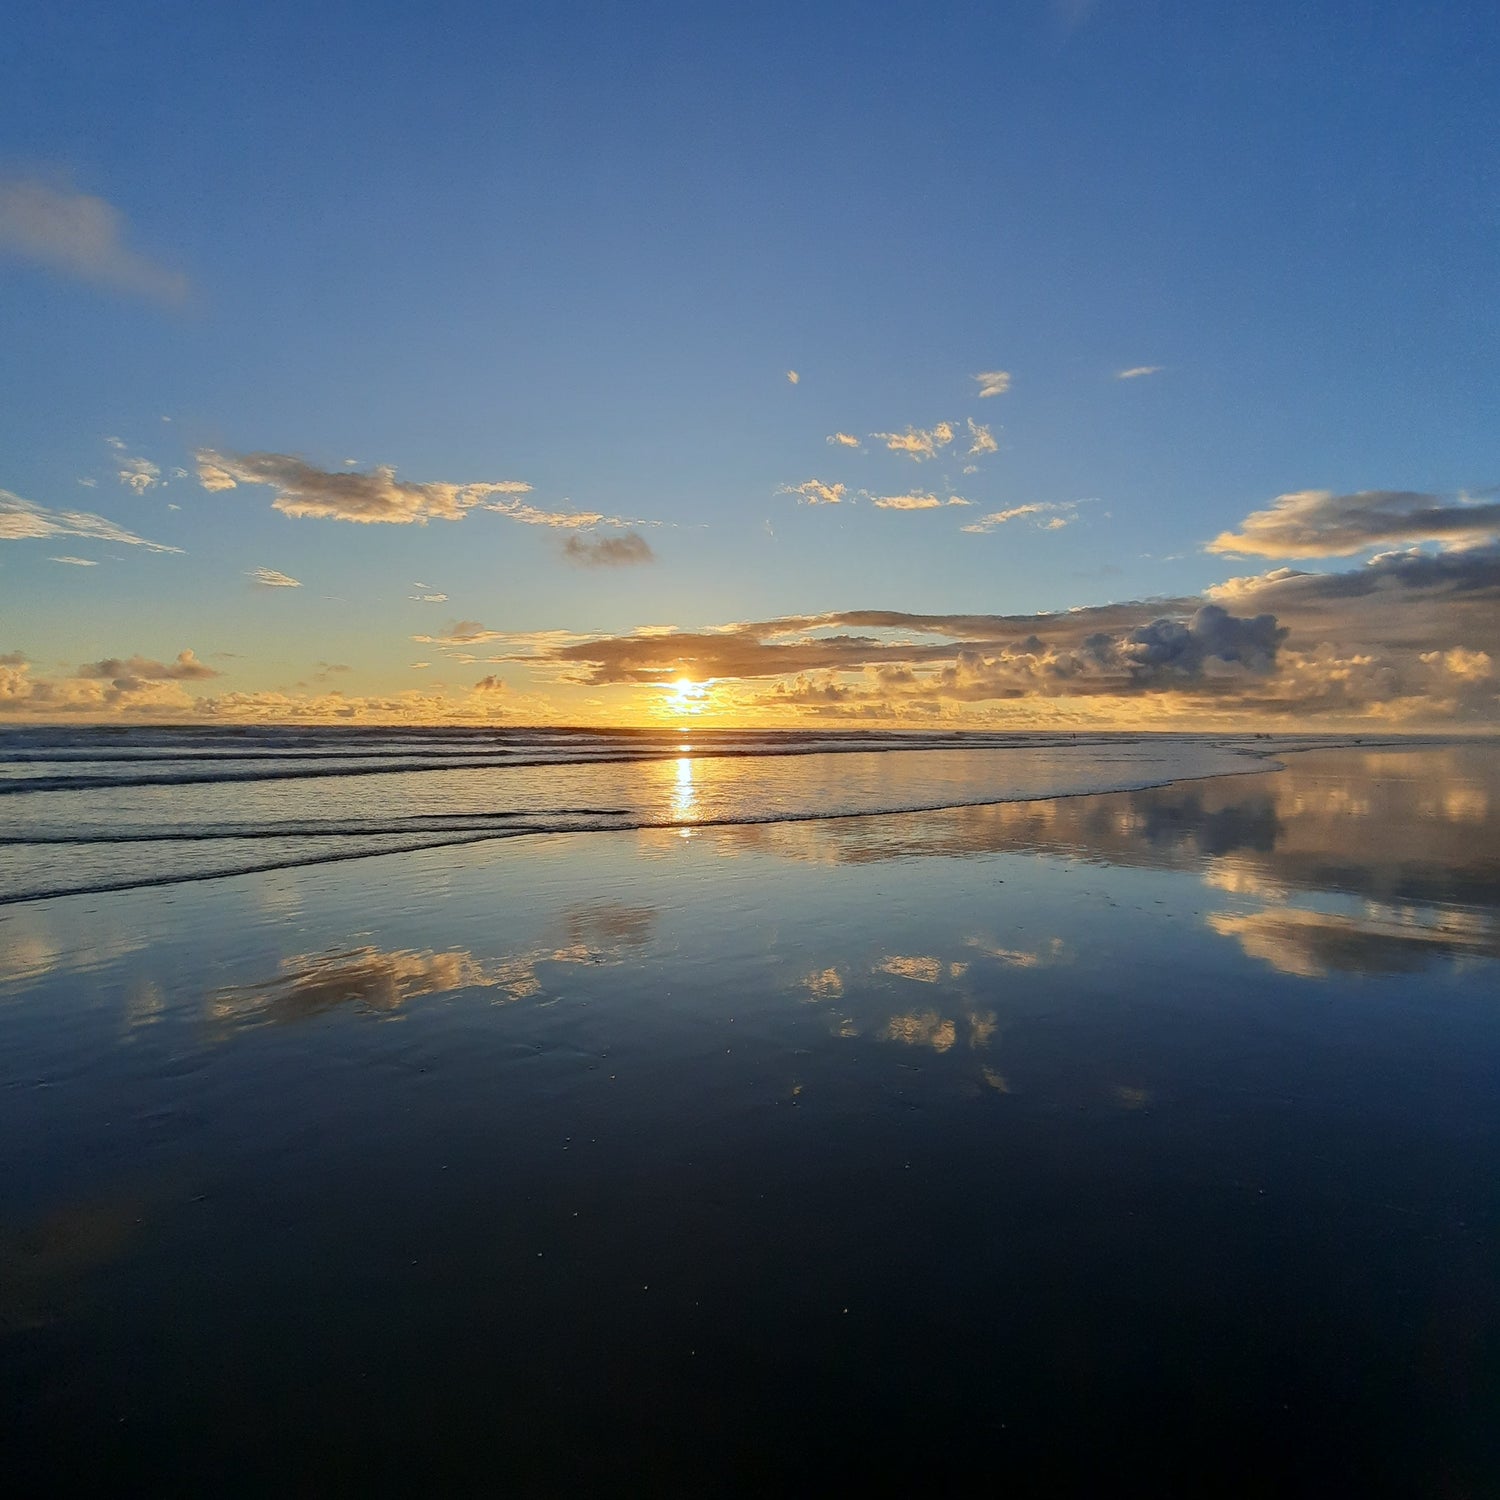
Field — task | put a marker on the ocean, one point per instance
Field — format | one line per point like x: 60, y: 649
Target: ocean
x: 557, y: 1113
x: 98, y: 809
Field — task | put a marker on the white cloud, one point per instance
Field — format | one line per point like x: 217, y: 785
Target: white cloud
x: 269, y: 578
x: 918, y: 442
x: 139, y: 474
x: 814, y: 492
x: 993, y: 382
x: 793, y: 376
x: 982, y: 440
x: 915, y: 501
x: 23, y: 519
x: 1020, y: 512
x: 75, y: 234
x: 843, y: 440
x: 77, y: 562
x: 1136, y: 371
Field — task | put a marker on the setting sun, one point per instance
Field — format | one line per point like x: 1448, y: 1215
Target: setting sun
x: 686, y: 697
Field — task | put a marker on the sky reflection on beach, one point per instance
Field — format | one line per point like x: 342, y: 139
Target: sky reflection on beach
x: 1129, y: 1081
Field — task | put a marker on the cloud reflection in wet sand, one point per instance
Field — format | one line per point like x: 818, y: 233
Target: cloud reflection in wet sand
x: 384, y: 980
x: 1413, y: 835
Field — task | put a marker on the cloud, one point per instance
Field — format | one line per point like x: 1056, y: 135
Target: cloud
x: 843, y: 440
x: 491, y: 684
x: 370, y: 498
x: 993, y: 382
x: 77, y: 562
x: 461, y: 633
x: 1019, y: 512
x: 269, y: 578
x: 186, y: 668
x: 793, y: 376
x: 1136, y: 371
x: 74, y: 234
x: 428, y: 598
x: 918, y: 442
x: 1318, y: 523
x: 981, y: 438
x: 608, y: 551
x: 814, y: 492
x: 139, y: 474
x: 21, y: 520
x: 915, y: 501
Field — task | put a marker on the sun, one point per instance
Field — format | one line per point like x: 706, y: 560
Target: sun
x: 685, y: 697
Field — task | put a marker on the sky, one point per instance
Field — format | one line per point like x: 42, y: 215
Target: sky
x: 1114, y: 364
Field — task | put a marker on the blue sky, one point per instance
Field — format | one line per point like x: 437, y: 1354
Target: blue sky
x: 579, y: 247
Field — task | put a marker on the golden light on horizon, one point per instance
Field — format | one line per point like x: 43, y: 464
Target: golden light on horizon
x: 686, y: 697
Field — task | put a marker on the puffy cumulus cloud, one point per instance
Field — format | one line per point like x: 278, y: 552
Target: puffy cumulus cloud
x: 372, y: 498
x: 1021, y: 512
x: 981, y: 439
x: 139, y: 474
x: 814, y: 492
x: 608, y: 551
x: 22, y: 520
x: 1135, y: 372
x: 186, y: 668
x: 993, y: 382
x: 843, y: 440
x: 78, y: 235
x: 22, y: 695
x: 1318, y: 523
x: 269, y: 578
x: 915, y: 501
x: 917, y: 442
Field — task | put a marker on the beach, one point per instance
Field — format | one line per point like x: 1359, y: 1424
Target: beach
x: 976, y: 1135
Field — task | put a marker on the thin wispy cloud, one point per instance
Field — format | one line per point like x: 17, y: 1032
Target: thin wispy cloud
x: 626, y: 551
x: 915, y: 501
x: 793, y: 377
x: 1059, y: 511
x: 77, y: 235
x: 843, y: 440
x: 21, y: 520
x: 1135, y: 372
x: 917, y: 442
x: 815, y: 492
x: 461, y: 633
x: 77, y: 562
x: 1319, y: 523
x: 993, y: 382
x: 981, y: 439
x: 269, y: 578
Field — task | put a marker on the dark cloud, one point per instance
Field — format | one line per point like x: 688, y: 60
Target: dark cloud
x: 1318, y: 523
x: 608, y: 551
x: 186, y: 668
